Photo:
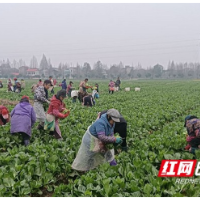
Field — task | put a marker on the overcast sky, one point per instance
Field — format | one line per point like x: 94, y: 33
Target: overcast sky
x: 78, y: 33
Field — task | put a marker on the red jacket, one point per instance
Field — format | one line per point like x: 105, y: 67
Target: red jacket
x: 56, y: 108
x: 7, y: 120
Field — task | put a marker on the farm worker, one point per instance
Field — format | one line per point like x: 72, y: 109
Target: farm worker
x: 10, y: 87
x: 95, y: 94
x: 74, y: 95
x: 88, y: 101
x: 93, y: 150
x: 117, y: 83
x: 192, y: 124
x: 83, y: 85
x: 22, y: 84
x: 55, y: 112
x: 69, y: 89
x: 40, y: 83
x: 18, y: 87
x: 4, y: 115
x: 33, y: 88
x: 121, y: 128
x: 97, y: 86
x: 15, y: 82
x: 23, y: 118
x: 81, y: 95
x: 190, y: 134
x: 41, y: 97
x: 54, y: 81
x: 1, y: 84
x: 111, y: 86
x: 64, y: 84
x: 52, y: 84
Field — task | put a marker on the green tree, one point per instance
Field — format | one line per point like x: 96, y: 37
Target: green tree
x: 86, y: 69
x: 44, y: 63
x: 98, y: 69
x: 157, y: 70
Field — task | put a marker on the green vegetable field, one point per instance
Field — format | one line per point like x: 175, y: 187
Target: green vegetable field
x: 155, y: 117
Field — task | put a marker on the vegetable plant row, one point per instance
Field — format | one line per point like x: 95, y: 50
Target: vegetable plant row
x: 155, y: 117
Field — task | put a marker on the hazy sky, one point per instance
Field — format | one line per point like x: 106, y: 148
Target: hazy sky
x: 75, y: 33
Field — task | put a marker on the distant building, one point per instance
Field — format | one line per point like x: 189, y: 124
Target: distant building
x: 66, y: 72
x: 22, y: 70
x: 45, y: 72
x: 73, y: 71
x: 32, y: 72
x: 15, y: 74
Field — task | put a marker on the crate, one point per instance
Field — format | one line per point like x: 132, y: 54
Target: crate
x: 127, y: 89
x: 137, y: 89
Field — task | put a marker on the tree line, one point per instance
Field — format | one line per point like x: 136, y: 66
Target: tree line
x: 102, y: 71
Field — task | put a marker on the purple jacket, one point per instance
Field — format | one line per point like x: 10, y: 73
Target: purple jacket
x: 23, y: 118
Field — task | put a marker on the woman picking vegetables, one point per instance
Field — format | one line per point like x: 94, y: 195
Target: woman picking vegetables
x: 22, y: 119
x: 40, y: 98
x: 111, y: 86
x: 55, y: 112
x: 121, y: 128
x: 94, y: 148
x: 4, y: 115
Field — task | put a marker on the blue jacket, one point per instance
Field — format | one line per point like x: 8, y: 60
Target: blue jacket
x: 64, y: 85
x: 101, y: 126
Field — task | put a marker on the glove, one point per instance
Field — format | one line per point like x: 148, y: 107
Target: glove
x: 118, y: 140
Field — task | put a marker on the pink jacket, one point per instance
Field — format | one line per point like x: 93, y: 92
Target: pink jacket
x: 111, y: 84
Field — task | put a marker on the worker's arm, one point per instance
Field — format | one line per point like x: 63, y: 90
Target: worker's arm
x: 100, y: 129
x: 58, y: 114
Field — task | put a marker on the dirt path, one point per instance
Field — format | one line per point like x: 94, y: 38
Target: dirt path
x: 7, y: 102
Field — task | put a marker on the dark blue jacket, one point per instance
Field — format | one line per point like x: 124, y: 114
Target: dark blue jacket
x: 64, y: 85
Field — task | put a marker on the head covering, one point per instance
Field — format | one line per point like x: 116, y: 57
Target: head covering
x: 114, y: 114
x: 61, y: 93
x: 189, y: 117
x: 4, y: 113
x: 24, y: 99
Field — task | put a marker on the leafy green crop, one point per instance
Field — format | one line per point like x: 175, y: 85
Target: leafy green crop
x: 155, y: 117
